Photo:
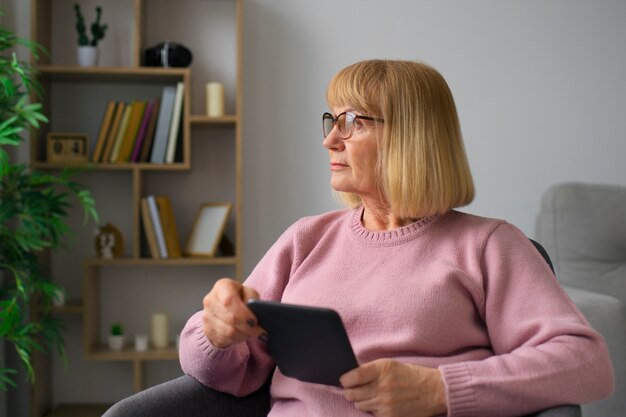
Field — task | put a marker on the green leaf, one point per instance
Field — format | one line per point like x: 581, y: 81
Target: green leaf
x: 5, y: 378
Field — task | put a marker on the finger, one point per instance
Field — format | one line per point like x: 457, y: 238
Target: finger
x: 361, y: 393
x: 229, y: 325
x: 248, y: 293
x: 242, y: 317
x: 370, y: 405
x: 231, y: 298
x: 364, y: 374
x: 226, y: 317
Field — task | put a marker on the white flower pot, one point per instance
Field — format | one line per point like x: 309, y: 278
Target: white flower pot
x: 87, y: 56
x: 116, y: 342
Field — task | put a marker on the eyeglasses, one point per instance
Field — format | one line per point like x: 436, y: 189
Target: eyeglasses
x: 345, y: 123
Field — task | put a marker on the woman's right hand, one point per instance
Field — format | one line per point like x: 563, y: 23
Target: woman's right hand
x: 227, y: 319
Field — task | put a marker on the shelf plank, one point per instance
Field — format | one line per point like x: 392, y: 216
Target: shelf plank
x: 114, y: 167
x: 200, y: 119
x: 128, y: 353
x: 183, y: 261
x: 72, y: 306
x: 78, y: 410
x: 108, y: 74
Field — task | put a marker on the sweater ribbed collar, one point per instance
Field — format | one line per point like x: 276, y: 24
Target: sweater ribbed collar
x: 387, y: 237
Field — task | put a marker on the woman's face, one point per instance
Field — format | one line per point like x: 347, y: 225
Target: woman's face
x: 353, y: 160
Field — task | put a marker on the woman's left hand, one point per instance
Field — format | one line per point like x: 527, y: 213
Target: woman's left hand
x: 388, y: 388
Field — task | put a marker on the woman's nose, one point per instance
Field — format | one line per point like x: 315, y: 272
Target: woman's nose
x: 333, y: 140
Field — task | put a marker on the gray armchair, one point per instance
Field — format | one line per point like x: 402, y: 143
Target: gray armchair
x: 583, y: 228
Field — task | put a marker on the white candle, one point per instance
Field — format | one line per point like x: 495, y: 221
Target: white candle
x: 141, y: 342
x: 214, y: 99
x: 160, y: 330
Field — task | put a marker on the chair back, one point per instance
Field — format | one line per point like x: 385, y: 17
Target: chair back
x: 583, y: 227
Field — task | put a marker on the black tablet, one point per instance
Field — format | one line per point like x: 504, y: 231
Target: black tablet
x: 307, y: 343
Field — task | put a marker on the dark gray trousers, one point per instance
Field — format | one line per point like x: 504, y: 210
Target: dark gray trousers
x: 186, y: 397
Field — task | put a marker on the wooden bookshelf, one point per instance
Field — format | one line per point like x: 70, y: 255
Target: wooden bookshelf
x: 81, y: 111
x: 103, y: 353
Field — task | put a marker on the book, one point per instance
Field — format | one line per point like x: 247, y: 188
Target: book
x: 175, y: 123
x: 168, y: 224
x: 156, y: 224
x: 146, y: 148
x: 137, y: 110
x: 139, y: 141
x: 112, y: 133
x: 148, y: 227
x: 105, y: 126
x: 120, y: 132
x: 161, y: 134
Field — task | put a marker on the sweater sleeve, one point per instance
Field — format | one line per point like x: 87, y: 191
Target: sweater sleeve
x: 545, y: 351
x: 241, y: 368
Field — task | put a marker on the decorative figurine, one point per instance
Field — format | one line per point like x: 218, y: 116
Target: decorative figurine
x: 109, y: 242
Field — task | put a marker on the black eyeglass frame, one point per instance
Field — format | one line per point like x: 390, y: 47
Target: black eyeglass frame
x: 328, y: 116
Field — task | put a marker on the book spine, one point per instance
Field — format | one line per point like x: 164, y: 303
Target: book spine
x: 105, y: 126
x: 158, y: 229
x: 146, y: 148
x: 142, y: 132
x: 134, y: 121
x: 168, y: 222
x: 120, y: 133
x: 110, y: 140
x: 148, y: 228
x: 174, y: 125
x: 163, y: 125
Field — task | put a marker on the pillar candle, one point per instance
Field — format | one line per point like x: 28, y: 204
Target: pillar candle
x: 160, y: 330
x: 214, y: 99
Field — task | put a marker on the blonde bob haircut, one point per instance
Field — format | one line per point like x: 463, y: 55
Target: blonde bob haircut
x: 422, y: 165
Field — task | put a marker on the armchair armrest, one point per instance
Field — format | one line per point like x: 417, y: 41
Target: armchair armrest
x: 560, y: 411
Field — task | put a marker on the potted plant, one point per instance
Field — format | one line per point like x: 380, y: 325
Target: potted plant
x: 116, y: 337
x: 88, y: 50
x: 33, y: 212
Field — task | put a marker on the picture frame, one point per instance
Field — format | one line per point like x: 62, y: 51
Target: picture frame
x: 208, y: 229
x: 67, y: 148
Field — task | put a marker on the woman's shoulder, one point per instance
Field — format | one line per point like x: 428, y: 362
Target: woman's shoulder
x: 469, y: 220
x: 473, y: 225
x: 479, y: 228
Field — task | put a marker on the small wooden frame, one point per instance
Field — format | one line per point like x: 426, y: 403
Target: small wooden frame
x: 67, y: 148
x: 208, y: 229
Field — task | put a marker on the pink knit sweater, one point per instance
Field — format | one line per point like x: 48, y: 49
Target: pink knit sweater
x: 466, y: 294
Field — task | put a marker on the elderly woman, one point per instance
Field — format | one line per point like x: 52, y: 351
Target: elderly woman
x: 448, y: 313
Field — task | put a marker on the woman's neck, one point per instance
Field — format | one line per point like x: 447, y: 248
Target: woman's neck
x: 378, y: 216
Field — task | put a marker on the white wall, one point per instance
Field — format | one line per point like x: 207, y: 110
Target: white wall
x: 540, y: 88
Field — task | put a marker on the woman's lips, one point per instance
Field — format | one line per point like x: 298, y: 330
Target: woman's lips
x: 335, y: 166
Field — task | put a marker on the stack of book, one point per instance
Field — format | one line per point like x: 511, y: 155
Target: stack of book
x: 141, y: 130
x: 159, y: 227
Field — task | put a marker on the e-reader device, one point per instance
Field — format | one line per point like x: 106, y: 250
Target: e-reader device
x: 307, y: 343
